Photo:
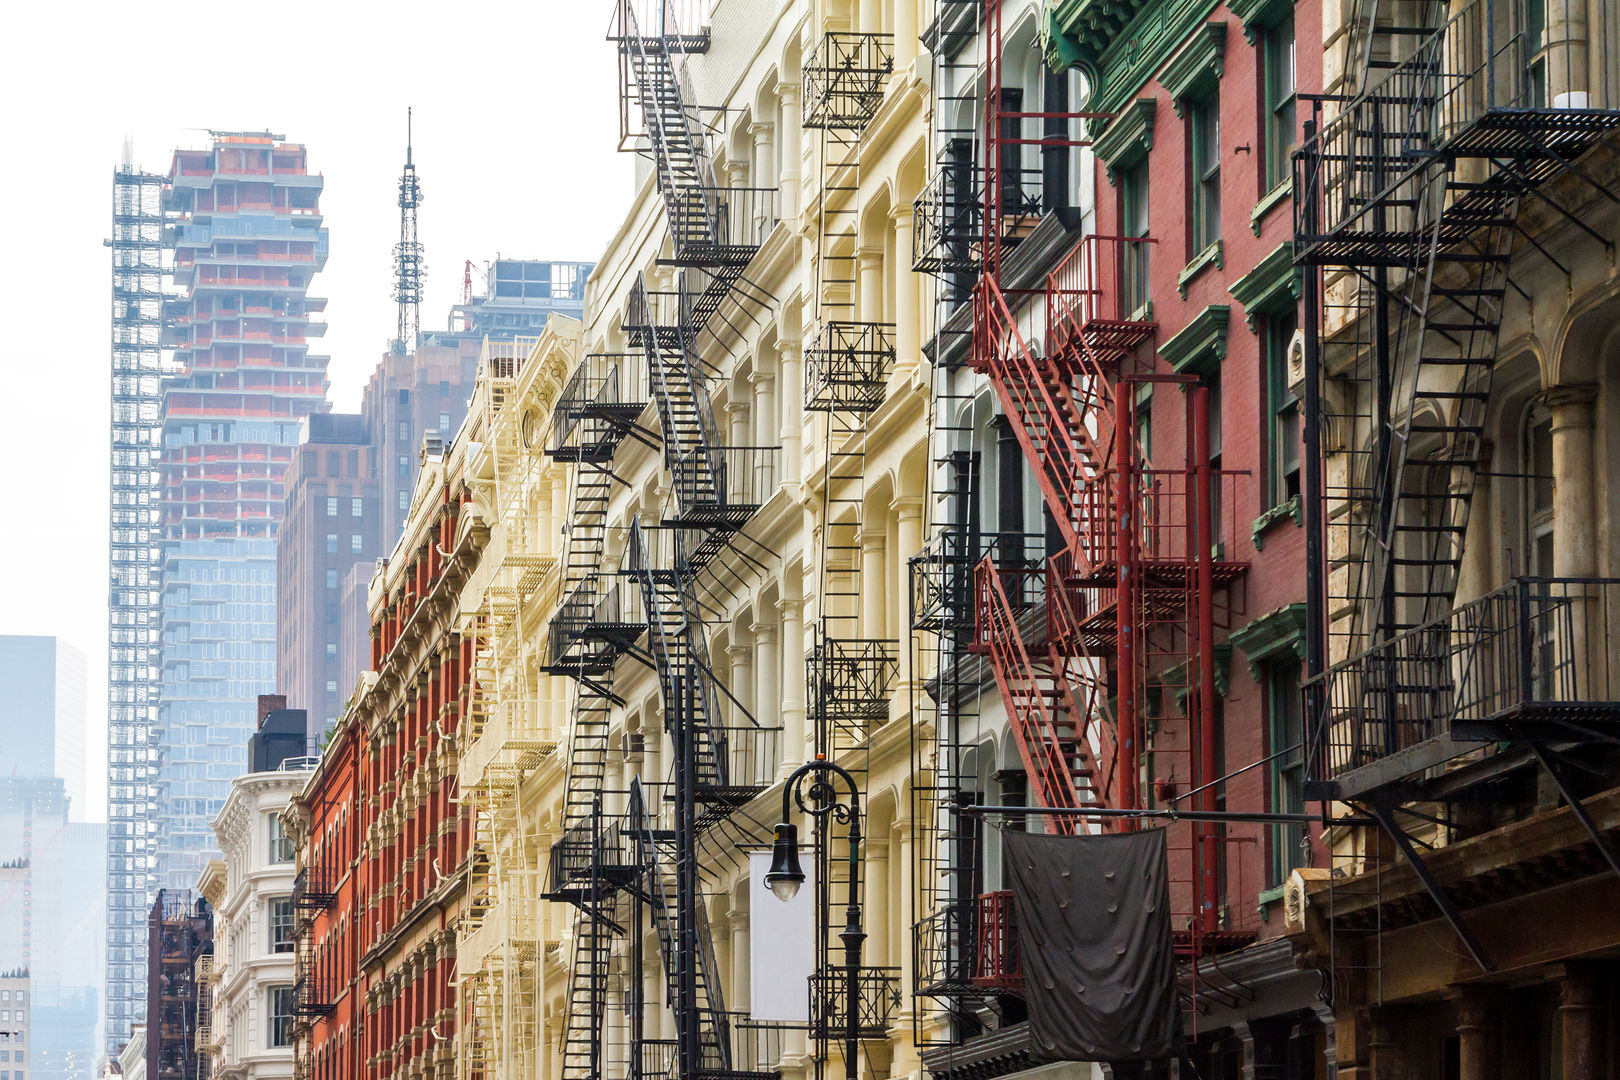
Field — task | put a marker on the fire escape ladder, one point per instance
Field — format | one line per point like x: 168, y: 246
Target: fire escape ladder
x: 1052, y: 734
x: 587, y: 1000
x: 1053, y: 425
x: 703, y: 1018
x: 680, y: 654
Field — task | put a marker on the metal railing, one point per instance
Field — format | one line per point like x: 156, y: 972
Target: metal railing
x: 879, y: 998
x: 844, y: 78
x: 1095, y: 296
x: 850, y: 679
x: 1534, y: 654
x: 996, y: 961
x: 847, y: 366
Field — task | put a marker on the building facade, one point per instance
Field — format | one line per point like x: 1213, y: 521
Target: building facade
x: 1458, y: 351
x: 251, y: 991
x: 15, y: 1014
x: 383, y: 840
x: 42, y: 680
x: 180, y: 930
x: 332, y: 524
x: 245, y: 226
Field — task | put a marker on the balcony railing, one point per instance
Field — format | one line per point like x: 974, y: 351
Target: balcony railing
x: 722, y: 489
x: 850, y: 680
x: 313, y: 996
x: 602, y: 616
x: 879, y: 992
x: 996, y: 962
x: 592, y: 858
x: 602, y: 398
x: 847, y: 367
x: 1096, y: 300
x: 844, y: 79
x: 1533, y: 660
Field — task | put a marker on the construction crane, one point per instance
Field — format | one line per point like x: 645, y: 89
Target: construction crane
x: 409, y: 267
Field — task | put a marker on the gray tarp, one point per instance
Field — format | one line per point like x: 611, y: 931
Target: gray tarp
x: 1094, y: 939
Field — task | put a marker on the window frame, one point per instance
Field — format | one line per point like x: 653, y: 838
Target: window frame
x: 1277, y: 167
x: 1281, y: 399
x: 1203, y: 127
x: 1136, y: 223
x: 279, y: 842
x: 278, y: 1033
x: 1286, y: 775
x: 282, y: 919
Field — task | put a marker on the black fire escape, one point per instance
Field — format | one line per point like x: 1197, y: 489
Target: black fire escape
x: 624, y: 857
x: 1408, y: 212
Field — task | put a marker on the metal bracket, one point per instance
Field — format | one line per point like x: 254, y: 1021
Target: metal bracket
x: 1577, y: 809
x: 1437, y: 892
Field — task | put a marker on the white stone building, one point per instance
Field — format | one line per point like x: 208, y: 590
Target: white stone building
x: 254, y: 929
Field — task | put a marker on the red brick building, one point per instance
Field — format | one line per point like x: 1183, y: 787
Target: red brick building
x: 382, y: 839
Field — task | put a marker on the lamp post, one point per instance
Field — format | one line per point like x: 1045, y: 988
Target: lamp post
x: 820, y: 800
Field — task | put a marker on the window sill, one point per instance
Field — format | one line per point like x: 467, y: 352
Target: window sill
x: 1293, y: 508
x: 1266, y: 898
x: 1144, y: 313
x: 1210, y: 256
x: 1268, y: 202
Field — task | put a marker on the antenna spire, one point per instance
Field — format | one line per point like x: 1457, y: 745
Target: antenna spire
x: 409, y: 265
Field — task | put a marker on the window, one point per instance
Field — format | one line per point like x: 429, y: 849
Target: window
x: 331, y: 686
x: 1218, y: 536
x: 1205, y: 140
x: 1538, y: 490
x: 280, y: 1011
x: 404, y: 500
x: 331, y: 507
x: 331, y: 543
x: 331, y: 652
x: 444, y: 423
x: 1287, y: 713
x: 1282, y: 470
x: 1535, y: 27
x: 1279, y: 88
x: 355, y: 543
x: 331, y: 578
x: 404, y: 466
x: 281, y: 924
x: 1133, y: 197
x: 281, y: 849
x: 404, y: 431
x: 357, y: 508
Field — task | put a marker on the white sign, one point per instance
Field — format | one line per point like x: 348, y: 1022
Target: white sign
x: 782, y: 944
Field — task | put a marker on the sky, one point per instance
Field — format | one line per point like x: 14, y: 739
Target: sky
x: 516, y: 125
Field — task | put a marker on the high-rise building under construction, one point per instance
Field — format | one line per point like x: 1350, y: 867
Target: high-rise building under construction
x: 241, y: 223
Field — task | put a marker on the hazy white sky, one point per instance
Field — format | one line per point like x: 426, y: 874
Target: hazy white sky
x: 516, y: 110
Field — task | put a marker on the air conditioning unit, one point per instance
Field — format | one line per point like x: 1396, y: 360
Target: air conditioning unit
x: 634, y: 746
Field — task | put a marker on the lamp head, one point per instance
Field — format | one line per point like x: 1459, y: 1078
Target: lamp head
x: 785, y: 875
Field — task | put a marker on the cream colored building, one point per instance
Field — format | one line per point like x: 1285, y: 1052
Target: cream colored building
x: 250, y: 975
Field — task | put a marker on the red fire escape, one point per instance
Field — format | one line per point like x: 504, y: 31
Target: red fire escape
x: 1103, y: 654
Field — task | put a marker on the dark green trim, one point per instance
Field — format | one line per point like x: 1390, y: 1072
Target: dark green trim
x: 1195, y: 71
x: 1268, y: 202
x: 1200, y: 346
x: 1128, y: 137
x: 1223, y: 675
x: 1275, y: 633
x: 1214, y: 255
x: 1273, y: 284
x: 1118, y: 44
x: 1291, y: 508
x: 1258, y: 15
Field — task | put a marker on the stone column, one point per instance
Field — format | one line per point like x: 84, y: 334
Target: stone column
x: 1573, y: 408
x: 766, y: 432
x: 741, y: 683
x: 902, y: 837
x: 792, y: 155
x: 1566, y: 55
x: 1580, y: 1022
x: 873, y: 608
x: 1479, y: 1052
x: 908, y: 541
x: 768, y: 710
x: 876, y: 914
x: 1386, y: 1049
x: 764, y: 167
x: 905, y: 38
x: 794, y: 736
x: 869, y: 17
x: 870, y: 278
x: 1575, y: 515
x: 907, y: 317
x: 790, y: 362
x: 741, y: 988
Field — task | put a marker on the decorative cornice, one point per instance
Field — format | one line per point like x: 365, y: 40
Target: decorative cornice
x: 1258, y: 15
x: 1273, y: 284
x: 1127, y: 137
x: 1195, y: 70
x: 1200, y: 346
x: 1280, y: 632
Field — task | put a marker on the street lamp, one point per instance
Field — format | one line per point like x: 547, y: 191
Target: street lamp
x: 820, y: 800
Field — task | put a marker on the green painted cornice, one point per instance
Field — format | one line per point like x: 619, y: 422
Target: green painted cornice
x: 1257, y: 15
x: 1200, y: 346
x: 1195, y: 71
x: 1273, y: 284
x: 1274, y: 634
x: 1088, y: 27
x: 1127, y: 137
x: 1177, y: 676
x: 1118, y: 60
